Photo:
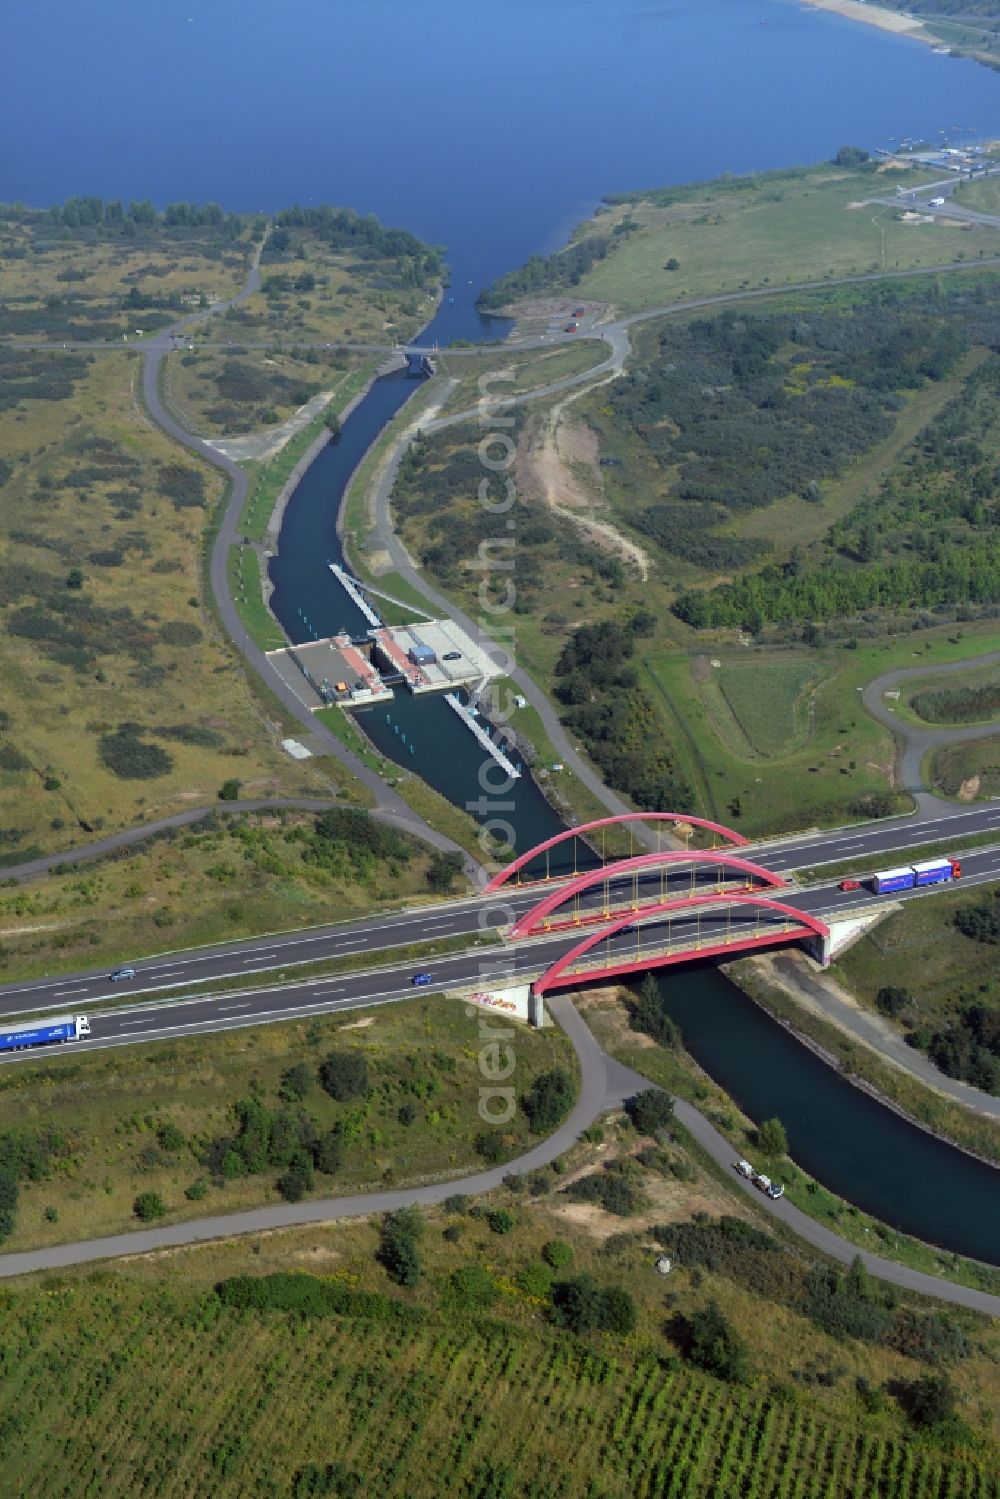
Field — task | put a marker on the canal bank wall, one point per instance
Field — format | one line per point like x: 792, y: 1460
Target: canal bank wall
x: 754, y: 978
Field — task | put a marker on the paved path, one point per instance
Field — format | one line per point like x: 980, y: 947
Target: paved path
x: 129, y: 837
x: 389, y: 805
x: 604, y: 1085
x: 880, y: 1037
x: 918, y: 740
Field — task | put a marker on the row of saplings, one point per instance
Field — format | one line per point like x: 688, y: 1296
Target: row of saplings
x: 844, y: 1306
x: 289, y: 1140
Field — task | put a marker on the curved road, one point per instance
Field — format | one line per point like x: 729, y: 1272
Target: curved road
x: 389, y: 805
x: 918, y: 740
x: 604, y: 1084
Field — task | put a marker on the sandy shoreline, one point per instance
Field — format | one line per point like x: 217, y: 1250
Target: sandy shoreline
x: 875, y: 15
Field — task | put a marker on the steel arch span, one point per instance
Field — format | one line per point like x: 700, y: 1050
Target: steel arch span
x: 799, y: 924
x: 532, y: 920
x: 736, y: 840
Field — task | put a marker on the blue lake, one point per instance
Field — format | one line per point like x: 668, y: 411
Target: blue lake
x: 489, y: 126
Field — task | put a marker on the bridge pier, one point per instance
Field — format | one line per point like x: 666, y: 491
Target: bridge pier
x: 536, y: 1008
x: 819, y: 948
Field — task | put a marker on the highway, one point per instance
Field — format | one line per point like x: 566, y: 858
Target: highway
x: 472, y: 916
x: 160, y: 1016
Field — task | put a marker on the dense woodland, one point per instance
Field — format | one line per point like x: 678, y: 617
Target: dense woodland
x: 543, y: 274
x: 362, y: 235
x: 738, y: 411
x: 928, y: 538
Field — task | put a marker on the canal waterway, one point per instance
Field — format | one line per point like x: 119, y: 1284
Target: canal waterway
x: 421, y: 734
x: 491, y: 130
x: 837, y: 1133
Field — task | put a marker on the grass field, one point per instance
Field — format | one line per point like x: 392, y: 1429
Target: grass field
x: 766, y: 702
x: 971, y: 769
x: 984, y: 196
x: 921, y: 694
x: 920, y: 949
x: 343, y: 725
x: 139, y: 645
x: 245, y: 585
x: 247, y: 874
x: 239, y: 392
x: 796, y: 226
x: 814, y: 780
x: 86, y: 280
x: 529, y: 370
x: 795, y: 522
x: 350, y: 298
x: 109, y: 1106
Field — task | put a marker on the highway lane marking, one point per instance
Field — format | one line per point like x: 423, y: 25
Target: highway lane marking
x: 916, y: 833
x: 60, y: 992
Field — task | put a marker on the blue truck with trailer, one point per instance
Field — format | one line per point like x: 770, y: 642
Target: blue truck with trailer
x: 913, y: 876
x: 45, y: 1032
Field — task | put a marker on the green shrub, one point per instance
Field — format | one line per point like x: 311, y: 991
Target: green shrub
x: 296, y: 1082
x: 648, y: 1014
x: 398, y: 1246
x: 333, y: 1480
x: 501, y: 1221
x: 297, y: 1179
x: 582, y: 1305
x: 169, y: 1136
x: 328, y: 1154
x: 132, y: 758
x: 549, y: 1100
x: 536, y: 1280
x: 771, y: 1137
x: 470, y: 1288
x: 344, y: 1075
x: 148, y: 1206
x: 197, y: 1190
x: 557, y: 1253
x: 611, y: 1189
x: 489, y: 1143
x: 712, y: 1344
x: 651, y: 1111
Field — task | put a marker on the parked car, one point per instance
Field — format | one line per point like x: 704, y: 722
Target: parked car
x: 420, y: 980
x: 849, y: 885
x: 452, y: 656
x: 122, y: 973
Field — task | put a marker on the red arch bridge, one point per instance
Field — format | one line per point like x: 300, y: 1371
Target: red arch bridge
x: 654, y: 909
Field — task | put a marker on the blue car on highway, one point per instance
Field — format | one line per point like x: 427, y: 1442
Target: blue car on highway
x: 420, y: 979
